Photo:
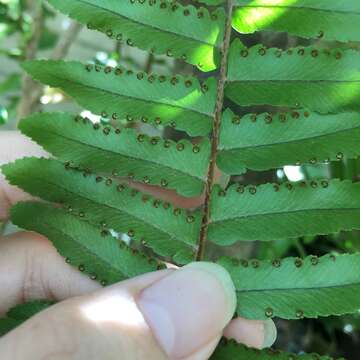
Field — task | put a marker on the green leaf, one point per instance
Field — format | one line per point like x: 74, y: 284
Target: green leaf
x: 26, y: 311
x: 48, y: 39
x: 97, y: 254
x: 104, y: 149
x: 295, y: 288
x: 169, y: 231
x: 275, y: 140
x: 4, y: 115
x: 230, y: 350
x: 11, y: 83
x: 163, y: 27
x: 177, y: 101
x: 295, y: 78
x: 20, y: 313
x: 272, y: 211
x: 7, y: 324
x: 328, y: 20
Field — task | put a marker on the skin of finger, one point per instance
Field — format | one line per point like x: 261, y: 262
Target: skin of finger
x: 205, y: 352
x: 248, y: 332
x: 13, y: 146
x: 31, y: 268
x: 244, y: 331
x: 106, y: 325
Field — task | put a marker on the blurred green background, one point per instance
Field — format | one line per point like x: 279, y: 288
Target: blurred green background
x: 31, y: 29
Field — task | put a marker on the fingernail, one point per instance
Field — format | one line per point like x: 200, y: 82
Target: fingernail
x: 270, y: 333
x: 188, y: 308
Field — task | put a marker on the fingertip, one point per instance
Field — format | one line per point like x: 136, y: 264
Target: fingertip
x: 224, y: 278
x: 270, y: 333
x: 253, y: 333
x: 189, y: 308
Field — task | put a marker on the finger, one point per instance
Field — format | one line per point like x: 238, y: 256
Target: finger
x: 31, y: 268
x: 172, y: 314
x: 14, y: 145
x: 253, y: 333
x: 190, y: 308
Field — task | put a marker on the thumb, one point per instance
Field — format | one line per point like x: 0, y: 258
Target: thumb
x: 171, y: 314
x: 189, y: 309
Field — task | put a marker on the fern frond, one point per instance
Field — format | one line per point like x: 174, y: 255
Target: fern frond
x: 191, y: 34
x: 167, y: 230
x: 99, y: 255
x: 103, y: 149
x: 230, y: 350
x: 268, y: 141
x: 178, y: 101
x: 295, y: 288
x: 20, y: 313
x: 272, y: 211
x: 8, y: 324
x: 317, y: 19
x: 25, y: 311
x: 327, y: 81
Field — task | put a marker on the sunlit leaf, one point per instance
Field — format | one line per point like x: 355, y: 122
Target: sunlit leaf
x: 322, y: 80
x: 120, y: 94
x: 191, y: 34
x: 4, y: 116
x: 327, y: 20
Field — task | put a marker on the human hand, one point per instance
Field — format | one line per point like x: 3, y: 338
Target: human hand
x: 169, y: 314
